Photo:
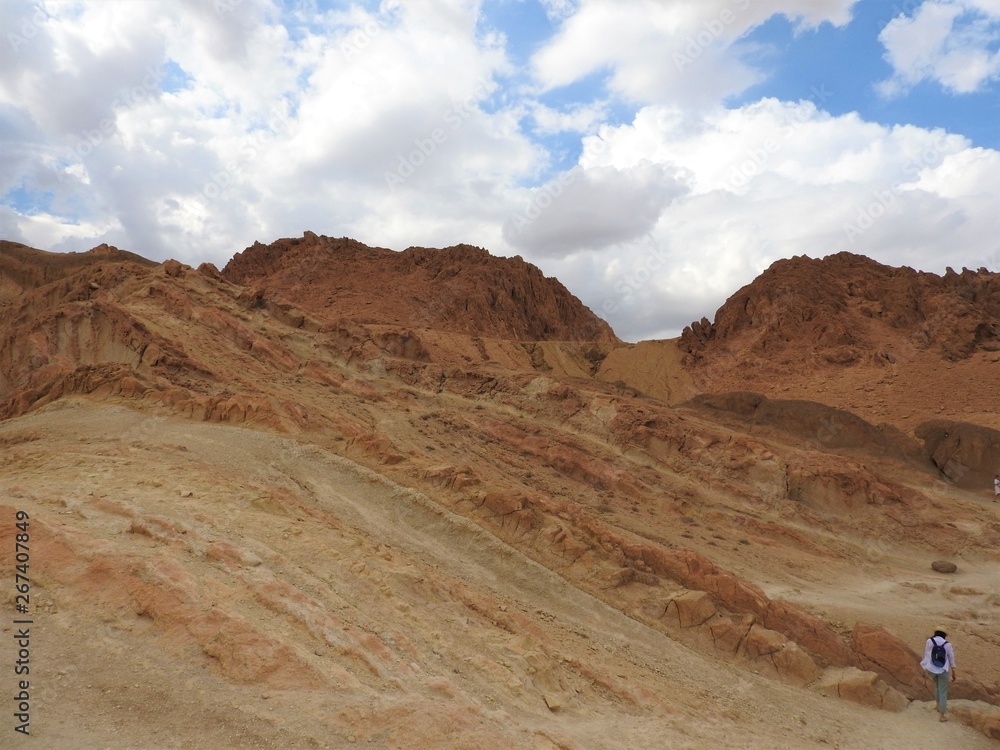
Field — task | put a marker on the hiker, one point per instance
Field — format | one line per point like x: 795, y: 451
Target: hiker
x: 996, y: 488
x: 939, y: 661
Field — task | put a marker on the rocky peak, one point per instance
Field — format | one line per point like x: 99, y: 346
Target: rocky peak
x: 459, y: 289
x: 845, y: 307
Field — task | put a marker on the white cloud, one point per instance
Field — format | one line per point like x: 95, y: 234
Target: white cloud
x: 772, y: 180
x: 685, y: 52
x: 953, y: 42
x: 593, y: 208
x: 581, y: 118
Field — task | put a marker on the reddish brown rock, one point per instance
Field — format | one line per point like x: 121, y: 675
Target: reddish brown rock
x: 462, y: 289
x: 865, y: 688
x: 841, y: 303
x: 965, y: 453
x: 885, y: 654
x: 692, y: 608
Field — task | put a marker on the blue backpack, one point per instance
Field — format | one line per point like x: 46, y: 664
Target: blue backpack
x: 939, y: 657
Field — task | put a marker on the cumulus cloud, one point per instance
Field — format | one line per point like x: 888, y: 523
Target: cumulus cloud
x: 774, y: 179
x: 683, y: 51
x: 586, y: 209
x: 953, y: 42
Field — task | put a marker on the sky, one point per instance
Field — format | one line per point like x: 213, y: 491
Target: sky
x: 653, y: 155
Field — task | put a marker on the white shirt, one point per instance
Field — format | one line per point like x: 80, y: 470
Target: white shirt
x: 949, y: 652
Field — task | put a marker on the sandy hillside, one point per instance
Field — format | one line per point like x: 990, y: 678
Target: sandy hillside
x: 273, y: 594
x: 257, y: 521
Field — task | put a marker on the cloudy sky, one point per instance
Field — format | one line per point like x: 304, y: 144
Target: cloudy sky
x: 654, y: 155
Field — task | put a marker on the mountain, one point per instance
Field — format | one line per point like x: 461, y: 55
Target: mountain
x: 890, y: 344
x: 334, y: 495
x: 459, y: 289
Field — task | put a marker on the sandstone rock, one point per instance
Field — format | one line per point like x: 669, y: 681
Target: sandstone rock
x: 965, y: 453
x: 885, y: 654
x: 173, y: 268
x: 977, y: 714
x: 808, y: 421
x: 692, y: 608
x: 790, y: 662
x: 944, y: 566
x: 729, y: 631
x: 857, y: 686
x: 210, y: 270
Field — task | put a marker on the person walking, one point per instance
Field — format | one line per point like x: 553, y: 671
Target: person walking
x: 996, y: 488
x: 939, y: 663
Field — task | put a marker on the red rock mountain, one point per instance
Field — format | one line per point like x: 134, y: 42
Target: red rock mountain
x: 461, y: 289
x: 846, y: 309
x: 888, y: 344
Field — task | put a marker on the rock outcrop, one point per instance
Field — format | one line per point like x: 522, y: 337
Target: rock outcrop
x: 967, y: 454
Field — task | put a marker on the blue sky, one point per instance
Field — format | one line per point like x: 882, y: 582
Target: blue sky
x: 654, y: 155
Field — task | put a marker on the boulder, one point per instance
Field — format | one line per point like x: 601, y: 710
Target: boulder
x: 943, y: 566
x: 790, y: 662
x: 858, y: 686
x: 963, y: 452
x: 692, y: 608
x: 881, y: 652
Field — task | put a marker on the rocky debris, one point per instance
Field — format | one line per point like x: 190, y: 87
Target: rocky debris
x: 461, y: 289
x: 864, y: 688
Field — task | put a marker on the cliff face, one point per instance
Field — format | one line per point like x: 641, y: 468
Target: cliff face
x: 459, y: 289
